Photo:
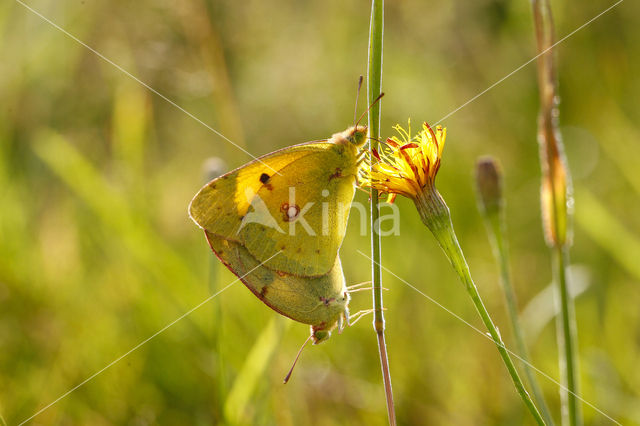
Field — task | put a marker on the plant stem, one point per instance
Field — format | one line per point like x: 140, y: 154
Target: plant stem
x: 435, y: 215
x: 374, y: 89
x: 496, y: 229
x: 565, y: 329
x: 556, y: 196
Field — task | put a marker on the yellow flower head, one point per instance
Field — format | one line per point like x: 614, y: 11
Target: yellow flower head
x: 406, y: 165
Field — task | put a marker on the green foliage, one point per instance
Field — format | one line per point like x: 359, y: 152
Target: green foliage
x: 97, y: 252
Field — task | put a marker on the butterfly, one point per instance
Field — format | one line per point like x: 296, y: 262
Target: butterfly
x: 278, y: 222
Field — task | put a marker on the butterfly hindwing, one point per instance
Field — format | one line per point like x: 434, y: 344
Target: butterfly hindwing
x: 301, y: 299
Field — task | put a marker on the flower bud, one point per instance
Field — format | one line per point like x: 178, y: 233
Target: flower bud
x: 489, y: 185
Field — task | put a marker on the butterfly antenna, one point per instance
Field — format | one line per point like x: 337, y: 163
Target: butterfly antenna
x: 355, y: 111
x: 373, y: 139
x: 286, y: 379
x: 367, y: 110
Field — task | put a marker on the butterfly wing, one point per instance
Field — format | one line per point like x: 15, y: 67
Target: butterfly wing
x: 254, y: 206
x: 315, y: 301
x: 309, y: 199
x: 220, y: 206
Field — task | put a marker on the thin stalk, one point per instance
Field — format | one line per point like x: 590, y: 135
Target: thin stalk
x: 491, y: 204
x: 556, y: 196
x: 435, y: 215
x: 565, y: 329
x: 374, y: 89
x: 502, y: 256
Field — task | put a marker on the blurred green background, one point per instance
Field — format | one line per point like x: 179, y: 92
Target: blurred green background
x: 97, y: 252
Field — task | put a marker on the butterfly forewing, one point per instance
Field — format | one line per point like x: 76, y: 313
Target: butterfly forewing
x: 309, y: 202
x: 220, y: 206
x: 295, y: 201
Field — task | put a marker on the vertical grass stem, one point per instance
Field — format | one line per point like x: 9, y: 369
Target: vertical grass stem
x: 374, y: 89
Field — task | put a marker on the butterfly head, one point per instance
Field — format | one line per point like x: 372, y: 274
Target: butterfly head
x: 354, y: 136
x: 357, y: 135
x: 322, y: 332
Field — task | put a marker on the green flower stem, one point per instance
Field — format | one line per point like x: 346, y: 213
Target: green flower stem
x: 374, y: 88
x: 435, y: 215
x: 565, y: 326
x: 557, y: 194
x: 496, y: 228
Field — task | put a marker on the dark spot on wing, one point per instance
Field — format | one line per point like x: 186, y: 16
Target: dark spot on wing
x: 264, y: 178
x: 318, y: 251
x: 299, y: 250
x: 263, y: 291
x: 336, y: 174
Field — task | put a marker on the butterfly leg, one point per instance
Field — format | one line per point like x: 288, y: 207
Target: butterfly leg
x: 354, y: 286
x: 360, y: 314
x: 362, y: 156
x: 365, y: 289
x: 363, y: 190
x: 361, y: 287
